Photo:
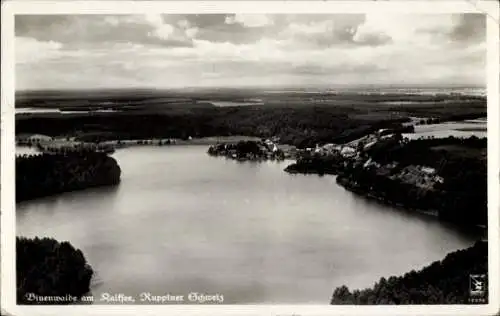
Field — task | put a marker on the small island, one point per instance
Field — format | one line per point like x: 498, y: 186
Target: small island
x: 50, y: 272
x: 248, y: 150
x: 48, y: 174
x: 442, y: 282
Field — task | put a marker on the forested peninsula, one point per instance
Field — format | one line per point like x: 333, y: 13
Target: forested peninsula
x: 50, y: 272
x: 47, y: 174
x: 446, y: 177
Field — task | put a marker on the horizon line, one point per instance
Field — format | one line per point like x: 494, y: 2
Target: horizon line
x: 272, y: 87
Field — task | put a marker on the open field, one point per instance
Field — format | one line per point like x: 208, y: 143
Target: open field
x: 141, y: 98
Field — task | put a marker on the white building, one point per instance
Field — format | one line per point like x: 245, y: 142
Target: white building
x: 348, y: 152
x: 428, y: 170
x: 370, y: 144
x: 39, y: 138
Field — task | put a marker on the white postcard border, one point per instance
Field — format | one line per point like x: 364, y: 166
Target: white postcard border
x: 9, y: 9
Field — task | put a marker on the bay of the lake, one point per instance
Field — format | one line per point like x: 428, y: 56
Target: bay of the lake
x: 182, y: 221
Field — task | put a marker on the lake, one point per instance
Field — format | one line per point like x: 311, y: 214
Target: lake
x: 56, y: 110
x: 182, y: 221
x: 232, y: 103
x: 461, y: 129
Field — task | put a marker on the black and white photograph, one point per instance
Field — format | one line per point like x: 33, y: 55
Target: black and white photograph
x: 227, y: 158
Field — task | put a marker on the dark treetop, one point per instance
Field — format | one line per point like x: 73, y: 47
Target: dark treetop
x: 442, y: 282
x: 48, y: 174
x: 48, y: 268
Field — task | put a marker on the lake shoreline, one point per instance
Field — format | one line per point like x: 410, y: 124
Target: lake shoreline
x: 195, y: 166
x: 371, y: 195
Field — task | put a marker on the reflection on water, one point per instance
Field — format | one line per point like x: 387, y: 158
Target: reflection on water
x: 182, y: 221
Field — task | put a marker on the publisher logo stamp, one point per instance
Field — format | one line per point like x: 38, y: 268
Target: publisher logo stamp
x: 477, y: 285
x: 477, y: 288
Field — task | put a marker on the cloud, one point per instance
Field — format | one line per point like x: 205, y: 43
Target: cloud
x: 372, y: 39
x: 76, y: 51
x: 460, y: 29
x: 82, y: 30
x: 29, y: 50
x: 249, y: 20
x: 335, y: 30
x: 469, y: 27
x: 160, y: 29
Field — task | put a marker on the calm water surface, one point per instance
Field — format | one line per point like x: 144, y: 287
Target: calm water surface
x: 183, y: 221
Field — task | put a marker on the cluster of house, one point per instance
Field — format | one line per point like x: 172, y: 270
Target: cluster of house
x: 268, y: 146
x: 272, y: 147
x: 345, y: 151
x: 423, y: 177
x: 353, y: 149
x: 32, y: 139
x: 420, y: 176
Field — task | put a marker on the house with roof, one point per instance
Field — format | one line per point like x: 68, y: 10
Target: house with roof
x: 348, y: 152
x: 39, y: 138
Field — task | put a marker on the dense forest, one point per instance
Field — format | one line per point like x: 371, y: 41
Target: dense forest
x: 310, y: 163
x: 301, y: 125
x: 48, y: 174
x: 460, y: 198
x: 442, y: 282
x: 46, y: 267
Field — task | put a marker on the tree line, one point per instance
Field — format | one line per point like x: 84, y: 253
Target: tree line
x: 442, y: 282
x: 299, y: 126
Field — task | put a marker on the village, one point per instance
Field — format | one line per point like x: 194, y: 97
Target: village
x: 357, y: 154
x: 354, y: 153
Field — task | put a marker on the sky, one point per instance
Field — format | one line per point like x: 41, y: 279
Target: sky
x: 235, y: 50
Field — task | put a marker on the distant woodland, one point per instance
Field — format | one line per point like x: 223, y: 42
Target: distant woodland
x: 298, y: 121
